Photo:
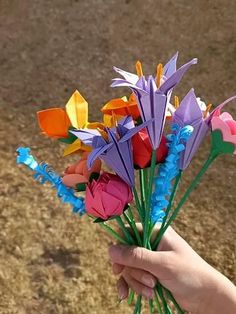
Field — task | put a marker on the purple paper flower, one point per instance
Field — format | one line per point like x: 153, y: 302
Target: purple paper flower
x: 116, y: 151
x: 190, y: 113
x: 153, y: 93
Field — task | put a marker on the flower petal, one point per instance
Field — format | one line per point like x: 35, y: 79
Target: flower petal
x: 54, y: 122
x: 77, y: 110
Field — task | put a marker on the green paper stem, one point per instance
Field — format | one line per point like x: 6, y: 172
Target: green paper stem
x: 157, y: 302
x: 138, y: 205
x: 138, y: 305
x: 142, y: 187
x: 130, y: 297
x: 148, y: 201
x: 172, y: 299
x: 113, y: 233
x: 213, y: 155
x: 130, y: 219
x: 151, y: 307
x: 167, y: 310
x: 126, y: 232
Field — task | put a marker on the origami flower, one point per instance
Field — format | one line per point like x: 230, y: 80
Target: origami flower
x: 78, y: 172
x: 142, y: 149
x: 169, y: 170
x: 226, y: 124
x: 153, y: 93
x: 55, y: 122
x: 107, y: 196
x: 190, y: 113
x: 119, y: 108
x: 115, y: 149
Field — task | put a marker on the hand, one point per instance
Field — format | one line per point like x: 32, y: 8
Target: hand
x: 196, y: 286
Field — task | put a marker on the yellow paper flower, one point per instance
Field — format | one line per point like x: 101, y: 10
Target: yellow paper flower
x: 55, y: 122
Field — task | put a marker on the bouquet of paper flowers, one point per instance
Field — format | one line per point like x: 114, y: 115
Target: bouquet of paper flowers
x: 147, y: 136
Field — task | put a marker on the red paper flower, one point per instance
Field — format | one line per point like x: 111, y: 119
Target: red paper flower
x: 142, y: 149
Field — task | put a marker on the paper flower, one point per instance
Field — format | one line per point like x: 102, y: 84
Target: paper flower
x: 117, y: 108
x: 142, y: 149
x: 43, y: 173
x: 169, y: 170
x: 55, y: 122
x: 107, y: 196
x: 115, y: 150
x: 153, y: 93
x: 78, y: 172
x: 226, y: 124
x: 190, y: 113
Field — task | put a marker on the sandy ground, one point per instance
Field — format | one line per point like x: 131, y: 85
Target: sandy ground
x: 50, y: 260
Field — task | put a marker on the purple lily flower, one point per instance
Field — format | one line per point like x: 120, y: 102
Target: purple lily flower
x: 116, y: 151
x: 189, y: 113
x: 153, y: 94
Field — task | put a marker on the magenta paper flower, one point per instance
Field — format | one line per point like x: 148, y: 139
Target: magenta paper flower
x: 107, y: 196
x: 116, y: 150
x: 190, y: 113
x: 153, y: 93
x: 226, y: 124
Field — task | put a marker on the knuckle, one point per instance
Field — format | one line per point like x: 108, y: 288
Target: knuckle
x: 137, y: 254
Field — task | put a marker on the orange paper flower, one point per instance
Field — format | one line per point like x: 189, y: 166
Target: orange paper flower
x: 79, y: 173
x: 55, y: 122
x: 117, y: 108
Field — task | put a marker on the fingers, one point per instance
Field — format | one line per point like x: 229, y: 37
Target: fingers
x: 141, y: 276
x: 137, y: 257
x: 117, y: 268
x: 123, y: 289
x: 138, y: 287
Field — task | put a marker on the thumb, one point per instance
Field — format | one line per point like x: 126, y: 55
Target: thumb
x: 138, y: 257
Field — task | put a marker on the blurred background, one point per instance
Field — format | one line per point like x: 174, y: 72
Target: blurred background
x: 51, y: 261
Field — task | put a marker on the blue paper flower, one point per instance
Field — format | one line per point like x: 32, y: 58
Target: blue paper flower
x: 168, y: 171
x: 44, y: 173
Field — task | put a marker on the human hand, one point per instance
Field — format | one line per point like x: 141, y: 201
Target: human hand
x: 196, y: 286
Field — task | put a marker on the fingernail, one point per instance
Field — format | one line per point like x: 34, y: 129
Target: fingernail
x: 112, y: 251
x: 122, y: 294
x: 148, y: 281
x: 148, y: 293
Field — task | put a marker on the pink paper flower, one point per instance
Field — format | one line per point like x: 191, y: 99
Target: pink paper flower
x: 79, y: 173
x: 107, y: 196
x: 227, y: 125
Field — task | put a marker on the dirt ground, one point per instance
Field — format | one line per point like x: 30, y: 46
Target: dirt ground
x: 51, y: 261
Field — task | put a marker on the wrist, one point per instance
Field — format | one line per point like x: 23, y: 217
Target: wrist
x: 220, y: 295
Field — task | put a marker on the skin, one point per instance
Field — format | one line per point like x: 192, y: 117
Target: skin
x: 196, y: 286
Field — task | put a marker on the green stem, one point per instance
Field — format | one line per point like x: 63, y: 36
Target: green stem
x: 131, y: 297
x: 192, y: 186
x: 113, y: 233
x: 151, y: 307
x: 172, y: 299
x: 131, y: 221
x: 148, y: 201
x: 142, y: 187
x: 165, y: 305
x: 172, y: 197
x: 138, y: 205
x: 124, y: 229
x: 138, y: 305
x: 158, y: 302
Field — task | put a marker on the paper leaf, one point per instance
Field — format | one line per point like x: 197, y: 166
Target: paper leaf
x: 219, y: 145
x: 80, y: 187
x: 98, y: 220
